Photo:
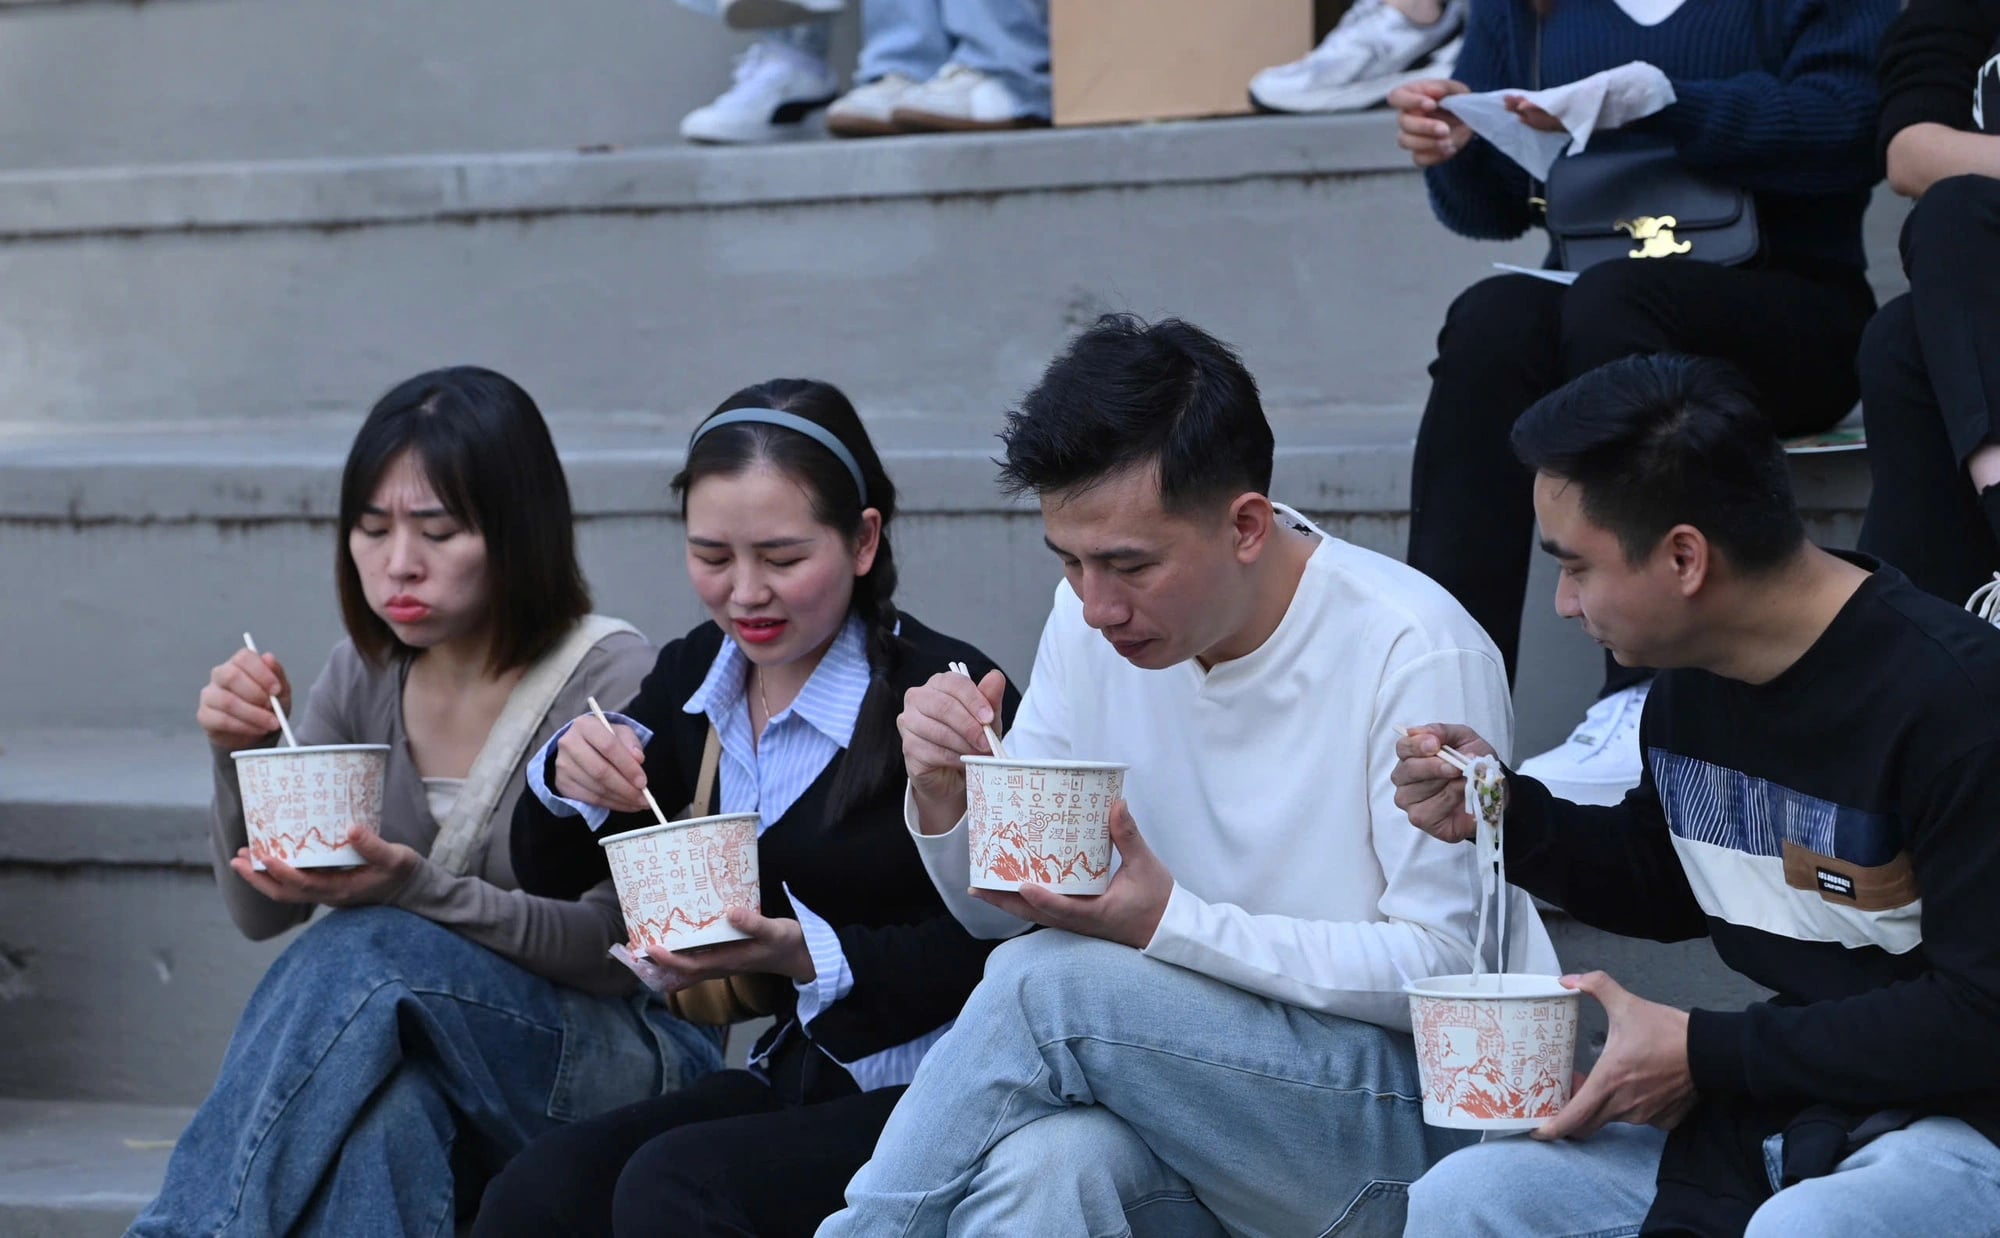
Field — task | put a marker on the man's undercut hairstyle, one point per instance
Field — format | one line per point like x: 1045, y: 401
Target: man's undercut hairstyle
x: 1660, y: 441
x: 1127, y: 393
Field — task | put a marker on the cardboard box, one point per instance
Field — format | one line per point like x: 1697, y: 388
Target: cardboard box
x: 1125, y: 60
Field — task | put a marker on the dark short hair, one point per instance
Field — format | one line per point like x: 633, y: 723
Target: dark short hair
x: 483, y: 446
x: 1660, y: 441
x: 874, y: 756
x: 1125, y: 393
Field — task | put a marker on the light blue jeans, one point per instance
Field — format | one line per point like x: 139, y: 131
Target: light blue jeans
x: 1935, y: 1176
x: 381, y: 1057
x: 1008, y: 39
x: 1280, y: 1121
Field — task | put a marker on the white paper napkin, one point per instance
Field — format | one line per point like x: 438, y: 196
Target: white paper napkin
x: 1607, y: 100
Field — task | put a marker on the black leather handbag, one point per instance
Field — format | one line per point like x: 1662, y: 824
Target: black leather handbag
x: 1630, y: 196
x: 1638, y: 200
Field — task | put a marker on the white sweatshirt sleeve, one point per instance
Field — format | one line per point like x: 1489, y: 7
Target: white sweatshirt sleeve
x: 1041, y: 729
x: 1428, y: 907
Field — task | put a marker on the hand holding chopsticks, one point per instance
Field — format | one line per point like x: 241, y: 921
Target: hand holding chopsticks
x: 1446, y: 753
x: 651, y: 803
x: 992, y: 737
x: 1435, y: 798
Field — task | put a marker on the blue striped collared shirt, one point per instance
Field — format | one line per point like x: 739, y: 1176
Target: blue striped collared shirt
x: 767, y: 778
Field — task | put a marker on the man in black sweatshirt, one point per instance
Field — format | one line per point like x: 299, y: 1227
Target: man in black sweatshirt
x: 1821, y: 800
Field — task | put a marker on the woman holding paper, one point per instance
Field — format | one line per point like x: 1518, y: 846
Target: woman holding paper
x: 424, y: 1030
x: 1775, y: 98
x: 796, y: 681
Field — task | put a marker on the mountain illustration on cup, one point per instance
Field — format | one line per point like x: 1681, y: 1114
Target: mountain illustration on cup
x: 1494, y: 1052
x: 1042, y: 822
x: 677, y: 882
x: 299, y: 804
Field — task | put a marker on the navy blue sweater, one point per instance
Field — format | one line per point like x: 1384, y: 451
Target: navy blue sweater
x: 1777, y: 96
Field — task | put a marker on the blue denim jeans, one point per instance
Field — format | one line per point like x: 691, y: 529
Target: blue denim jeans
x: 1008, y: 39
x: 381, y: 1058
x: 1936, y: 1176
x: 1279, y: 1120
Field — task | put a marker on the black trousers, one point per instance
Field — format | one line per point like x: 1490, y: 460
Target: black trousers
x: 725, y: 1156
x: 1509, y: 340
x: 1930, y: 390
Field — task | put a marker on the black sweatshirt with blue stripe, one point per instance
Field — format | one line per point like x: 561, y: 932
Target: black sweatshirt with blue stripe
x: 1835, y: 833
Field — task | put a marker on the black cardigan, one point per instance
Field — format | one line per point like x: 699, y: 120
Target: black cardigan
x: 913, y: 963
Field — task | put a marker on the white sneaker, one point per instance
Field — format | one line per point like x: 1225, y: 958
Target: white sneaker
x: 1600, y: 761
x: 1372, y: 51
x: 761, y: 14
x: 869, y: 111
x: 777, y: 87
x: 962, y: 99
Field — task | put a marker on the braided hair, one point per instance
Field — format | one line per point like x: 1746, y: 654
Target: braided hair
x: 874, y: 757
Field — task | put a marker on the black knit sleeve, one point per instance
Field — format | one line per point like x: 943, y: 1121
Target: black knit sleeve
x: 1929, y: 64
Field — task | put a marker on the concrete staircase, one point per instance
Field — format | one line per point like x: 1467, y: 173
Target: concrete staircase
x: 228, y: 228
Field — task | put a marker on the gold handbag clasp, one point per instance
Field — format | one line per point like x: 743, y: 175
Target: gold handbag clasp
x: 1655, y: 234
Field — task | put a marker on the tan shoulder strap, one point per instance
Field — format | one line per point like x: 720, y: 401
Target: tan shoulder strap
x: 462, y: 836
x: 704, y: 783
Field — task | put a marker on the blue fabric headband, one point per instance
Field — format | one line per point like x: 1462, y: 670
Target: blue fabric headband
x: 788, y: 421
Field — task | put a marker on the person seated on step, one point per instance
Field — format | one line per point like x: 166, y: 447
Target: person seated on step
x: 1930, y: 359
x: 1822, y: 777
x: 1377, y: 46
x: 925, y: 66
x: 1775, y: 100
x: 785, y: 704
x: 408, y: 1042
x: 1224, y: 1028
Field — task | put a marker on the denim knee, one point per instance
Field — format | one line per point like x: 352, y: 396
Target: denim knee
x: 1051, y: 969
x: 1461, y: 1185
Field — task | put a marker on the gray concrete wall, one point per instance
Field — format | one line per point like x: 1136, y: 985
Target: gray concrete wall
x: 927, y: 276
x: 172, y: 81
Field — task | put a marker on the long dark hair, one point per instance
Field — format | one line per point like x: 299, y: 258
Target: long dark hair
x: 874, y: 757
x: 483, y: 446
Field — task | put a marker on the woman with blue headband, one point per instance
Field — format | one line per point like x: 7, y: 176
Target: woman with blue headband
x: 798, y: 676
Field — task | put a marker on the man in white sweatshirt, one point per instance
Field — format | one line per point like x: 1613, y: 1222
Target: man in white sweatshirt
x: 1230, y: 1010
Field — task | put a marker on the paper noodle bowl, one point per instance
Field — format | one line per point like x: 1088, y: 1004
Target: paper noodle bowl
x: 1494, y: 1053
x: 1041, y: 822
x: 677, y: 882
x: 299, y: 803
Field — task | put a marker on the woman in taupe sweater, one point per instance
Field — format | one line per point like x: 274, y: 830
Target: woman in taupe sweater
x: 409, y: 1042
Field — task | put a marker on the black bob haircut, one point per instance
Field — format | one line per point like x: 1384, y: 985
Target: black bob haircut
x: 483, y: 446
x: 1660, y: 441
x: 1128, y: 393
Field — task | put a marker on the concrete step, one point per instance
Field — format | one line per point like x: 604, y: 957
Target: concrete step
x: 139, y: 559
x: 84, y: 82
x: 72, y: 1169
x: 927, y: 276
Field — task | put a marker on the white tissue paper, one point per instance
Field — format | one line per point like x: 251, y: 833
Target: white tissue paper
x: 650, y: 974
x: 1607, y: 100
